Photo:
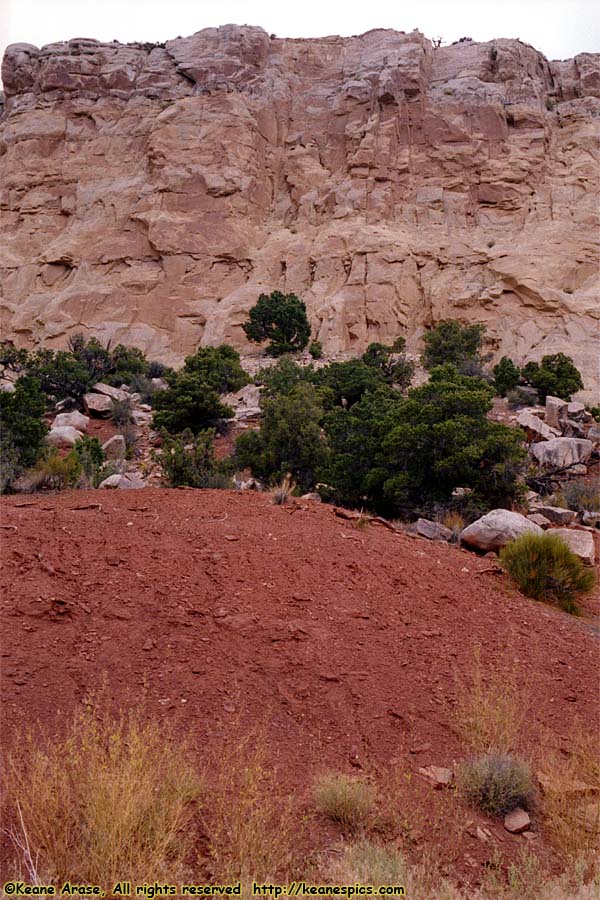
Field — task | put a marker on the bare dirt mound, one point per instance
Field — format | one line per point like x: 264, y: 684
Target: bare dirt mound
x: 345, y: 639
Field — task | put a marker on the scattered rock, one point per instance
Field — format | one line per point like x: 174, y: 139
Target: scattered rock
x: 7, y: 386
x: 107, y: 390
x: 98, y: 405
x: 159, y: 384
x: 439, y: 776
x: 556, y: 412
x: 556, y: 514
x: 535, y: 428
x: 591, y: 518
x: 580, y: 542
x: 517, y: 821
x: 496, y: 529
x: 575, y: 410
x: 435, y: 531
x: 115, y: 447
x: 64, y: 436
x: 126, y: 481
x: 148, y: 644
x: 560, y: 452
x: 111, y: 482
x: 312, y: 496
x: 540, y: 520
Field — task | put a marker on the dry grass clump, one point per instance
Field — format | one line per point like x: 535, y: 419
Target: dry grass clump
x: 545, y: 568
x: 525, y: 879
x: 455, y: 522
x: 579, y: 496
x: 570, y: 797
x: 344, y: 799
x: 284, y: 490
x: 490, y: 711
x: 251, y: 829
x: 495, y: 783
x: 114, y: 795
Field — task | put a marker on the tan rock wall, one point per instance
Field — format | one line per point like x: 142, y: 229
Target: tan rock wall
x: 149, y: 194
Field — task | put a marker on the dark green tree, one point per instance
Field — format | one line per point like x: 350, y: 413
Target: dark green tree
x: 280, y: 319
x: 344, y: 383
x: 61, y: 375
x: 557, y: 375
x: 22, y: 428
x: 452, y: 342
x: 506, y: 376
x: 397, y: 456
x: 188, y: 403
x: 289, y: 440
x: 219, y: 367
x: 189, y: 460
x: 283, y: 377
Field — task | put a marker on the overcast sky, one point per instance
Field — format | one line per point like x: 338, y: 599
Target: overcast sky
x: 559, y: 28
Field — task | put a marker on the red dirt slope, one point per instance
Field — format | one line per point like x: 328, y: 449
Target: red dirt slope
x: 220, y: 605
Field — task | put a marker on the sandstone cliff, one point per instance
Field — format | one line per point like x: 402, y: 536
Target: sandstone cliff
x: 148, y: 193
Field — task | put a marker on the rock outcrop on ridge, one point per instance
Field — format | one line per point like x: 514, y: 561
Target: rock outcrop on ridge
x: 150, y: 193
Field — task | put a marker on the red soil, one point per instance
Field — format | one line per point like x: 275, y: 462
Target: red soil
x: 217, y: 607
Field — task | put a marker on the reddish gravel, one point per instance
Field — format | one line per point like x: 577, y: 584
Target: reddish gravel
x: 219, y: 607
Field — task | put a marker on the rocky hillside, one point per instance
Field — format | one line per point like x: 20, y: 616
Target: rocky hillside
x: 149, y: 193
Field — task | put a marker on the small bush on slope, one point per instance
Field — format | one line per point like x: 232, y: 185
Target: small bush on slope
x: 556, y: 375
x: 545, y: 568
x: 578, y: 496
x: 22, y: 429
x: 495, y: 783
x: 188, y: 460
x: 280, y: 319
x: 451, y: 342
x: 346, y: 800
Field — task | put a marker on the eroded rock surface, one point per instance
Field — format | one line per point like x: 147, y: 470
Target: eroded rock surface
x: 150, y: 193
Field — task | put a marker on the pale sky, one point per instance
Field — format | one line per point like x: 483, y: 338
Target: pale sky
x: 559, y: 28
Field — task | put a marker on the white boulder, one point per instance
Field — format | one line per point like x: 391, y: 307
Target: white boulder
x: 580, y: 542
x: 496, y: 529
x: 74, y: 419
x: 98, y: 405
x: 556, y: 412
x: 561, y: 452
x: 108, y: 391
x: 64, y: 436
x: 115, y: 447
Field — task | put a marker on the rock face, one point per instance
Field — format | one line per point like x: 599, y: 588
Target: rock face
x: 496, y: 529
x: 149, y: 194
x: 559, y: 452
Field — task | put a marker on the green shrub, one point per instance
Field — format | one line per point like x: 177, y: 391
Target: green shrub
x: 315, y: 348
x: 391, y: 362
x: 218, y: 367
x: 289, y: 440
x: 452, y: 342
x: 545, y: 568
x: 344, y: 383
x: 556, y: 375
x: 142, y: 385
x: 188, y: 460
x: 506, y: 376
x: 22, y: 429
x: 96, y: 358
x: 280, y: 319
x: 495, y: 783
x: 188, y: 403
x: 90, y: 455
x: 346, y: 800
x: 284, y: 376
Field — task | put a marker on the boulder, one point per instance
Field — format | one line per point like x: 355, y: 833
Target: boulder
x: 536, y: 429
x: 556, y: 514
x: 517, y: 821
x: 111, y: 482
x: 556, y: 412
x: 496, y: 529
x: 141, y: 418
x: 7, y: 386
x: 73, y: 419
x: 159, y: 384
x: 128, y: 481
x: 561, y: 452
x: 108, y: 391
x: 432, y: 530
x: 575, y: 410
x: 580, y: 542
x: 579, y: 469
x: 312, y: 496
x: 98, y: 405
x: 594, y: 434
x: 65, y: 436
x: 571, y: 428
x: 540, y: 520
x: 115, y: 447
